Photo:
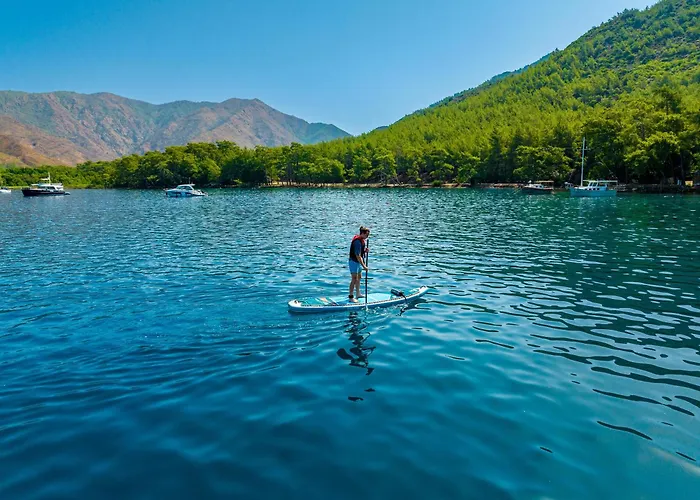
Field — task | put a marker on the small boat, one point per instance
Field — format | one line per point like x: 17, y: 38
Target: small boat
x: 184, y: 191
x: 45, y: 188
x: 594, y: 189
x: 5, y: 190
x: 335, y: 304
x: 541, y: 187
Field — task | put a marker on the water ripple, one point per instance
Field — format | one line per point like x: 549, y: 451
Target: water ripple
x: 146, y: 349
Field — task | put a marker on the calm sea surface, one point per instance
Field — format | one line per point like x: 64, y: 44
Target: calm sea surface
x: 146, y: 350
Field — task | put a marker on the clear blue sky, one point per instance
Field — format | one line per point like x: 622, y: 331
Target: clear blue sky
x: 357, y: 64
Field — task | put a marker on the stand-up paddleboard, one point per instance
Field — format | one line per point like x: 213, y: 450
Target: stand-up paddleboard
x: 333, y: 304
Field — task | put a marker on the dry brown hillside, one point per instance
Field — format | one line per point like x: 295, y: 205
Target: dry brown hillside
x: 66, y: 127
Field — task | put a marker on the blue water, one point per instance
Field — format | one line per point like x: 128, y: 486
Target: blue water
x: 146, y: 350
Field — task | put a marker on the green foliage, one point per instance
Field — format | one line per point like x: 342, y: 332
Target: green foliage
x: 541, y: 162
x: 619, y: 85
x: 87, y: 175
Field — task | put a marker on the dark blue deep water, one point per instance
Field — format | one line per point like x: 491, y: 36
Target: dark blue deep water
x: 146, y: 350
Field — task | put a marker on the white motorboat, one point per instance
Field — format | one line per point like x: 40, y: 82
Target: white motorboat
x: 184, y: 191
x: 541, y: 187
x: 4, y: 190
x: 595, y: 189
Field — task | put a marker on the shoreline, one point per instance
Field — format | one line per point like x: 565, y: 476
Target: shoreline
x: 622, y: 188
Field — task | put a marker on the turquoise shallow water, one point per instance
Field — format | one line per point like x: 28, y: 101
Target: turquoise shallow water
x: 146, y: 350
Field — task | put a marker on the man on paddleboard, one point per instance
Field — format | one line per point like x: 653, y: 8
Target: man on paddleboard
x: 356, y: 262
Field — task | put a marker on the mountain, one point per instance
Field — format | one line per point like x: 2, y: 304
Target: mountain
x: 460, y: 96
x: 67, y: 127
x: 29, y: 145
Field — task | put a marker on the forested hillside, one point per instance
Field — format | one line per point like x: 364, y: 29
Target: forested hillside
x: 632, y: 86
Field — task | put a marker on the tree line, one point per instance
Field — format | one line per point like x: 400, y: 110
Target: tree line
x: 648, y: 138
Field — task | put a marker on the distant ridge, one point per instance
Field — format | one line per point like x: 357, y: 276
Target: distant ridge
x: 68, y: 127
x: 460, y: 96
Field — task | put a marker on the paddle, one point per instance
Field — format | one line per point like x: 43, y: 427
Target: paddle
x: 366, y: 272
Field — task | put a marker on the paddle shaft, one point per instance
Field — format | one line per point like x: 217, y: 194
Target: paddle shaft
x: 366, y: 273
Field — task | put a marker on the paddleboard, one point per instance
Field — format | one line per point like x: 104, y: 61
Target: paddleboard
x: 333, y: 304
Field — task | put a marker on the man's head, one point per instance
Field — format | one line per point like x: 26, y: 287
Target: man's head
x: 364, y: 232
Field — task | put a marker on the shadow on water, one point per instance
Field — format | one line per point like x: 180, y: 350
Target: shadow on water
x: 357, y: 330
x: 358, y: 355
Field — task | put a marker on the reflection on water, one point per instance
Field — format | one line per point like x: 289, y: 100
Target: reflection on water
x: 358, y: 355
x: 358, y: 335
x: 357, y: 331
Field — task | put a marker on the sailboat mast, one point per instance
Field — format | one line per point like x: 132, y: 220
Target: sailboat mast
x: 583, y: 156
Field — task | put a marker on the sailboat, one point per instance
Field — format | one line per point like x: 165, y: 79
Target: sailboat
x: 593, y: 188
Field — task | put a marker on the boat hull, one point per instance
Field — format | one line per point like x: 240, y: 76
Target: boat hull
x: 178, y: 194
x: 592, y: 193
x: 34, y: 192
x: 183, y: 195
x: 527, y: 190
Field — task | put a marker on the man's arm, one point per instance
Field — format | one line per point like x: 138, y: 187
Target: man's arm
x: 358, y: 254
x: 361, y: 260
